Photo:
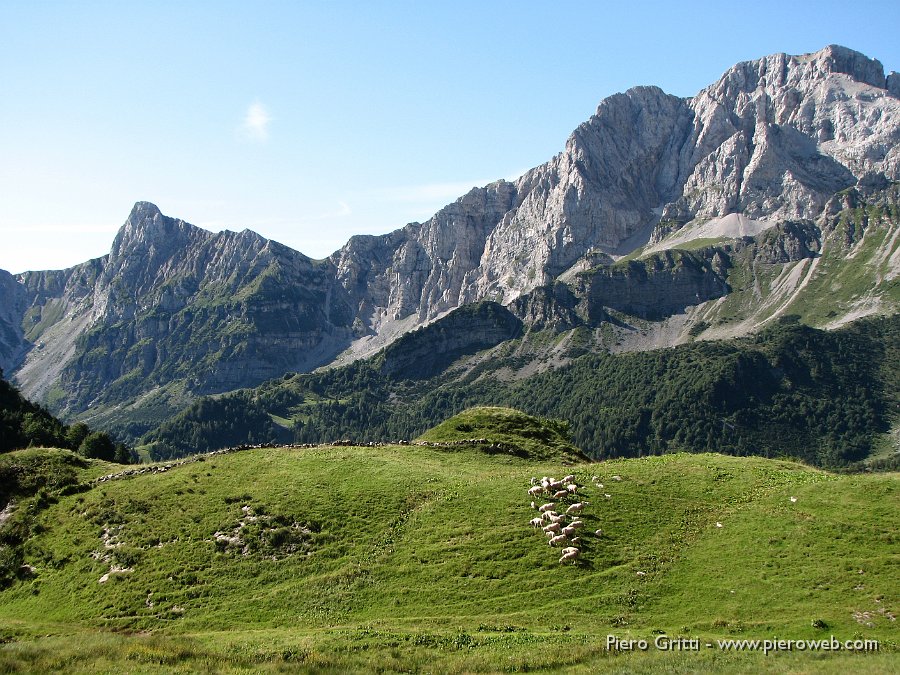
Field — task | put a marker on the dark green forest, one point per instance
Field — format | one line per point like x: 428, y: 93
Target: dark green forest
x: 25, y: 424
x: 791, y: 391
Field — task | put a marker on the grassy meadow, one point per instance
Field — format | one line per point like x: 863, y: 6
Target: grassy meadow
x: 414, y: 558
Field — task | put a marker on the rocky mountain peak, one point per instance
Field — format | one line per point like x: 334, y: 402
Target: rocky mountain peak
x: 147, y: 230
x: 837, y: 59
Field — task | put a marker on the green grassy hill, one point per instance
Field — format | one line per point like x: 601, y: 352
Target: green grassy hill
x: 414, y: 558
x: 494, y: 429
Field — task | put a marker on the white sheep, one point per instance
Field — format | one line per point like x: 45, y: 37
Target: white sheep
x: 577, y: 507
x: 552, y: 527
x: 536, y: 522
x: 576, y: 523
x: 536, y: 490
x: 546, y: 507
x: 570, y: 553
x: 558, y: 539
x: 598, y: 532
x: 569, y: 479
x: 575, y: 540
x: 559, y: 494
x: 557, y: 519
x: 571, y: 488
x: 569, y: 531
x: 547, y: 515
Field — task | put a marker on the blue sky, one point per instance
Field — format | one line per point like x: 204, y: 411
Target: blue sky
x: 312, y: 121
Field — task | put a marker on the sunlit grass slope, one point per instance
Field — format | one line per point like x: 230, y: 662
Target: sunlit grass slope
x: 510, y: 430
x: 415, y: 558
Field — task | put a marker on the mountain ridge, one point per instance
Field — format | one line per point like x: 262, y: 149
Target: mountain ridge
x: 174, y: 311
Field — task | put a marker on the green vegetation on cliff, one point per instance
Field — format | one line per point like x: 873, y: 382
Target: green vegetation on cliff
x: 825, y: 397
x: 24, y: 424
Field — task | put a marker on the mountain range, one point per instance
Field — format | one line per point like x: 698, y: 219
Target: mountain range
x: 772, y: 192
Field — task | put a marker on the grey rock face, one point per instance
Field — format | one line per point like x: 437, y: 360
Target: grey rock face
x: 172, y: 302
x: 773, y: 139
x: 12, y: 308
x: 427, y: 351
x: 653, y: 288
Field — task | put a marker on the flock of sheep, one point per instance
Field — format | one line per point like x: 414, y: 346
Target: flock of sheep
x: 560, y: 528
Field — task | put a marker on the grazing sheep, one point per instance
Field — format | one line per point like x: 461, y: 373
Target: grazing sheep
x: 570, y: 553
x: 616, y: 477
x: 718, y: 524
x: 607, y: 495
x: 536, y: 522
x: 547, y: 515
x: 569, y: 531
x: 575, y: 540
x: 552, y: 527
x: 569, y: 479
x: 577, y: 507
x: 558, y: 539
x: 536, y: 490
x: 557, y: 519
x: 598, y: 532
x: 576, y: 523
x: 793, y: 500
x: 571, y: 488
x: 559, y: 494
x: 546, y: 507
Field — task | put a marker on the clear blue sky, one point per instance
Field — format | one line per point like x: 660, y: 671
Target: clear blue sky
x: 312, y: 121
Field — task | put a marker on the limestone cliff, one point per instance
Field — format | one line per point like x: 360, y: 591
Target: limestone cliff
x: 773, y: 140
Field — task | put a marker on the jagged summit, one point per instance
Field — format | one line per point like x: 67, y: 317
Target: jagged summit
x: 142, y: 210
x: 147, y: 228
x: 838, y: 59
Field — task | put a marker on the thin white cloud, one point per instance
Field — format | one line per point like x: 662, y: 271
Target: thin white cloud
x: 256, y: 122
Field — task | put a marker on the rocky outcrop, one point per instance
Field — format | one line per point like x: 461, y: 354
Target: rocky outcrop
x: 788, y: 242
x: 12, y: 309
x: 653, y: 288
x: 425, y: 352
x: 554, y: 306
